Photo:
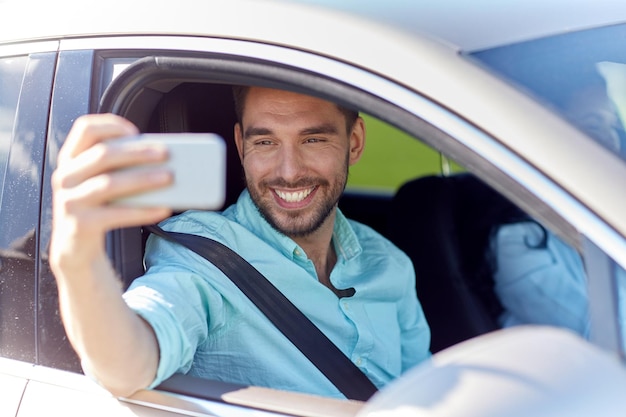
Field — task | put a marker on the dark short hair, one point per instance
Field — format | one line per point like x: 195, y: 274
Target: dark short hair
x: 241, y: 91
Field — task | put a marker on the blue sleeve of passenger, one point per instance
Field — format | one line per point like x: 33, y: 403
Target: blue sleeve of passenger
x: 539, y: 284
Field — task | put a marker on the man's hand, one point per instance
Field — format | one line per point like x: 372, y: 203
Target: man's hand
x: 87, y: 180
x: 116, y: 346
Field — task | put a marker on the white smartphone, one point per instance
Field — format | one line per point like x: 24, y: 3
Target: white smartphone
x: 198, y: 163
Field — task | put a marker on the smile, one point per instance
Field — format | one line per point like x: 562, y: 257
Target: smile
x: 294, y: 196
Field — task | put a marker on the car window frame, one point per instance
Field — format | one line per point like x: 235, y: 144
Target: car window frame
x: 500, y: 177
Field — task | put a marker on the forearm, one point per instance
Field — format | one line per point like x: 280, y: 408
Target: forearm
x: 115, y: 345
x: 539, y: 284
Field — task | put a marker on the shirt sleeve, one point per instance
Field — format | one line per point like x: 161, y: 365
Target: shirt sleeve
x: 177, y: 302
x: 539, y: 284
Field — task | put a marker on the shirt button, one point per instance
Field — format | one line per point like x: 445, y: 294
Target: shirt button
x: 358, y: 362
x: 346, y: 306
x: 297, y: 252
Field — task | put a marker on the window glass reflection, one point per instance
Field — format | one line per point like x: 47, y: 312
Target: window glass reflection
x: 11, y: 73
x: 588, y: 89
x: 16, y: 253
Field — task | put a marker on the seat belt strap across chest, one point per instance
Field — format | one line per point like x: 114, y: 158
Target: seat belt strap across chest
x: 307, y: 337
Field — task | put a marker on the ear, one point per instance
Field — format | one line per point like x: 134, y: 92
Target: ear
x: 239, y: 141
x: 357, y: 141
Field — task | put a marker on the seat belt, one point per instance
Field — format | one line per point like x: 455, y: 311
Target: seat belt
x: 310, y: 340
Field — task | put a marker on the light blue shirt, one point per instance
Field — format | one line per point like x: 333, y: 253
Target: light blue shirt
x: 206, y: 327
x: 545, y: 285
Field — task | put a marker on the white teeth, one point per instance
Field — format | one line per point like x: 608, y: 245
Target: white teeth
x: 294, y: 197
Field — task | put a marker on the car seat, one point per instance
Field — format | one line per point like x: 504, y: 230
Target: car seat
x: 193, y: 107
x: 188, y: 107
x: 444, y: 224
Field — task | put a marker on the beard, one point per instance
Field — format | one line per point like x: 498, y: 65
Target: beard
x: 302, y: 222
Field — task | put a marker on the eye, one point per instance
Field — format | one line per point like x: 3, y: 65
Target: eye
x: 314, y: 140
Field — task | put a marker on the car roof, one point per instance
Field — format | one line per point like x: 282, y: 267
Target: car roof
x: 467, y: 26
x: 482, y: 24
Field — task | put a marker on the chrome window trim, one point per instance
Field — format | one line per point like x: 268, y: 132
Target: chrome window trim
x: 479, y: 142
x: 177, y: 402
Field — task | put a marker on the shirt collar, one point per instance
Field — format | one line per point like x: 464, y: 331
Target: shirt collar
x: 247, y: 214
x: 346, y: 242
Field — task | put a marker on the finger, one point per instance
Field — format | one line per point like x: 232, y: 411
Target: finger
x: 105, y: 188
x: 115, y: 217
x: 105, y: 157
x: 84, y: 227
x: 86, y: 211
x: 94, y: 128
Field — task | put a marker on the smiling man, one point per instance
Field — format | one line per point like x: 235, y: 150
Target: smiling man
x: 184, y: 315
x: 295, y: 159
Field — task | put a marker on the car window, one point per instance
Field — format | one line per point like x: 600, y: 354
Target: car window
x: 16, y: 249
x: 385, y: 143
x: 470, y: 246
x: 588, y: 89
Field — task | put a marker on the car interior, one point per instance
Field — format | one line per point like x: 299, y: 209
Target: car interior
x: 447, y: 235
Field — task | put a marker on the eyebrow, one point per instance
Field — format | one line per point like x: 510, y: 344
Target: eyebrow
x: 323, y: 129
x: 256, y: 131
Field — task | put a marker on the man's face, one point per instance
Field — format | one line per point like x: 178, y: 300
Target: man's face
x: 295, y: 152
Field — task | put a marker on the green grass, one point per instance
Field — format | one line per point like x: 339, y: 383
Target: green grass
x: 391, y: 157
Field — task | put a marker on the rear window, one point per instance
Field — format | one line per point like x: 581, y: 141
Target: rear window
x: 581, y: 75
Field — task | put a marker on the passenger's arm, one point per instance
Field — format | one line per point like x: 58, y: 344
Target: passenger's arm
x: 116, y: 346
x: 539, y: 284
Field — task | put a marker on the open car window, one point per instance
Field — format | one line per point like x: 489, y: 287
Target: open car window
x: 446, y: 209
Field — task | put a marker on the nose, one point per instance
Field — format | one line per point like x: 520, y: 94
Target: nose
x: 291, y: 162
